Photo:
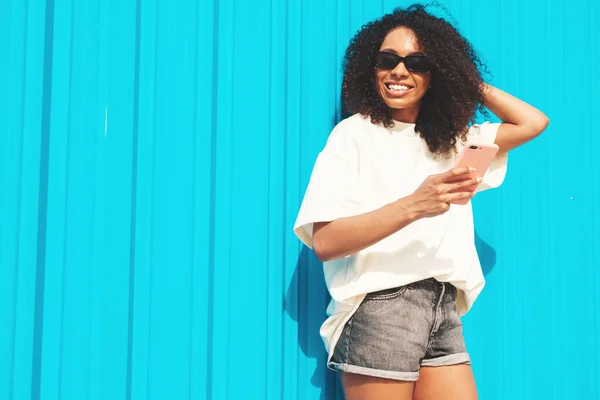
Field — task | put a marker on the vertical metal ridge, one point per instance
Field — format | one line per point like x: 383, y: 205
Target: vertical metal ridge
x: 595, y: 214
x: 213, y: 185
x: 42, y: 203
x: 152, y: 202
x: 133, y: 204
x: 19, y: 190
x: 193, y: 254
x: 269, y: 176
x: 67, y: 202
x: 284, y: 191
x: 230, y: 187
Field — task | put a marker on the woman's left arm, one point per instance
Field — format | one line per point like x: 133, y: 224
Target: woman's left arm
x: 521, y: 121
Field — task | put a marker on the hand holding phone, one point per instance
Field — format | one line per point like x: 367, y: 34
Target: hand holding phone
x: 478, y: 156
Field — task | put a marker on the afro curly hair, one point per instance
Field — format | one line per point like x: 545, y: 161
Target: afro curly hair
x: 456, y: 93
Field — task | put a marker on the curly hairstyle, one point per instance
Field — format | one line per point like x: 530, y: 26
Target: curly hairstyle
x: 455, y: 95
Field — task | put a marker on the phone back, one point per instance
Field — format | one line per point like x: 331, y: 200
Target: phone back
x: 478, y: 156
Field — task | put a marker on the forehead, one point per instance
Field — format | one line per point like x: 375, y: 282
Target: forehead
x: 402, y: 41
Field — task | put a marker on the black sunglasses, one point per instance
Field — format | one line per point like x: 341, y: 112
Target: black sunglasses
x: 413, y: 63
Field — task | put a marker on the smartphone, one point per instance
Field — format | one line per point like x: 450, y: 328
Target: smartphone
x: 478, y: 156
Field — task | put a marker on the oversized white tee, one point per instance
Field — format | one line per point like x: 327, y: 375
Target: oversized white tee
x: 366, y: 166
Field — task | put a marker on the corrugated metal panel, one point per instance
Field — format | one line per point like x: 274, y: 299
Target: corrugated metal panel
x: 154, y: 155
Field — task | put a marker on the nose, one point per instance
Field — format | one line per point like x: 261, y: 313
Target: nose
x: 400, y: 70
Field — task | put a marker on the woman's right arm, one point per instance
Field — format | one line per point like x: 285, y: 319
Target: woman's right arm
x: 349, y: 235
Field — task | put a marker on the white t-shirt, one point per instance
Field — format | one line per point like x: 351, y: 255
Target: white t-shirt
x: 364, y: 167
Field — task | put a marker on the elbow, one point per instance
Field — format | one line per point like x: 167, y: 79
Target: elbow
x: 534, y: 128
x: 321, y: 251
x: 540, y: 125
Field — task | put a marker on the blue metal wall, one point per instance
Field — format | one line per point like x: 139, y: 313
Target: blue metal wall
x: 153, y: 158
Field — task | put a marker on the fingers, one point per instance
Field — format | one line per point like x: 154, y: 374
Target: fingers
x: 456, y: 174
x: 470, y: 183
x: 446, y: 200
x: 453, y: 197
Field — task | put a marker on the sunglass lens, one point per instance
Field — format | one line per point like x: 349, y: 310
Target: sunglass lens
x: 387, y: 60
x: 417, y: 63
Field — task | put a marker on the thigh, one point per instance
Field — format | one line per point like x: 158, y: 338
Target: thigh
x: 453, y: 382
x: 363, y: 387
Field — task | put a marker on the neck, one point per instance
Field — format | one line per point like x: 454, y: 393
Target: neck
x: 406, y: 115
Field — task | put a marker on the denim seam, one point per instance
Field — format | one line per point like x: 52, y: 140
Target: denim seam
x: 347, y: 353
x: 436, y: 319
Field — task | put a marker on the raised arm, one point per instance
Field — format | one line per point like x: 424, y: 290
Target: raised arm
x: 521, y: 121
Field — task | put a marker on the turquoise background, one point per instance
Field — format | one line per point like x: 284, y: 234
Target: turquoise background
x: 153, y: 156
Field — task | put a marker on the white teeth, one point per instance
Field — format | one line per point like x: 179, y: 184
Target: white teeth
x: 398, y: 87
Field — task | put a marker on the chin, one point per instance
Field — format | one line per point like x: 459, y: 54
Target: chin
x: 399, y: 105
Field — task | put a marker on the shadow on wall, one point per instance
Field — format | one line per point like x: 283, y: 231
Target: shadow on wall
x: 305, y: 302
x: 487, y: 255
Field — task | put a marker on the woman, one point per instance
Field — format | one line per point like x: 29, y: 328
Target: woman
x: 381, y: 207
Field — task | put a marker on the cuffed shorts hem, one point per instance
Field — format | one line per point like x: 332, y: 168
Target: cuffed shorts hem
x: 378, y: 373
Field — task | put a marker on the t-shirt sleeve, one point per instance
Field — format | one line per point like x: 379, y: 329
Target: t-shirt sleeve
x: 486, y: 134
x: 332, y: 191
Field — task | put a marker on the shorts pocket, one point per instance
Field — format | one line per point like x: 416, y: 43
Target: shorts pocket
x: 387, y: 294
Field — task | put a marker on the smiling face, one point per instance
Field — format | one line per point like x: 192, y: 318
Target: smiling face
x: 402, y: 90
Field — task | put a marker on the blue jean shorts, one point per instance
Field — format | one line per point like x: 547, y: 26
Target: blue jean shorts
x: 395, y: 332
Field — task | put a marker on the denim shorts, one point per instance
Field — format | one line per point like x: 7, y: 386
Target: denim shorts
x: 394, y: 332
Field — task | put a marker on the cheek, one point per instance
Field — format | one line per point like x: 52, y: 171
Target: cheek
x: 380, y: 78
x: 423, y: 83
x: 423, y: 80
